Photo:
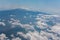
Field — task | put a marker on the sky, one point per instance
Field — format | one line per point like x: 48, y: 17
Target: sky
x: 49, y: 6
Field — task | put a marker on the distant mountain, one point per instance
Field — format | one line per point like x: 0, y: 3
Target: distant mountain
x: 20, y: 11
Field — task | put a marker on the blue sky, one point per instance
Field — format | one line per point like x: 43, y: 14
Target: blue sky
x: 50, y: 6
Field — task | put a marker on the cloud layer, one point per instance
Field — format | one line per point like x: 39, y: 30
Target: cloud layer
x: 30, y: 27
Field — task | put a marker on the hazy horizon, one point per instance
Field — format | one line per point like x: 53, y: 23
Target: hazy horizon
x: 49, y: 6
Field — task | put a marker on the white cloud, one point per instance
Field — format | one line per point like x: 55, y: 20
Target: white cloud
x: 30, y: 35
x: 2, y: 23
x: 41, y: 25
x: 15, y: 23
x: 43, y: 19
x: 17, y: 38
x: 3, y: 37
x: 21, y: 34
x: 46, y: 36
x: 56, y: 28
x: 39, y: 36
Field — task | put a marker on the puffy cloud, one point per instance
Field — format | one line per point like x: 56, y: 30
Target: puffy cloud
x: 56, y: 28
x: 35, y: 35
x: 14, y: 37
x: 30, y: 35
x: 15, y: 23
x: 43, y: 35
x: 44, y: 20
x: 41, y: 21
x: 21, y: 34
x: 48, y: 36
x: 41, y: 25
x: 3, y: 37
x: 2, y: 23
x: 17, y: 38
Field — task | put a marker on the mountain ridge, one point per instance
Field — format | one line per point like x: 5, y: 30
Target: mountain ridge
x: 23, y: 10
